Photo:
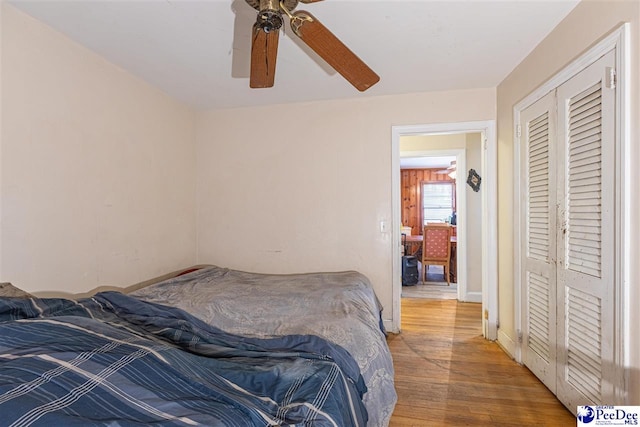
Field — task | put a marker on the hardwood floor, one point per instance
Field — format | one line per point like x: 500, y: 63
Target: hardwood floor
x: 447, y: 374
x: 431, y: 290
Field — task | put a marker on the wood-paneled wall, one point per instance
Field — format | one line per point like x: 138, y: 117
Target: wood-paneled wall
x: 410, y: 180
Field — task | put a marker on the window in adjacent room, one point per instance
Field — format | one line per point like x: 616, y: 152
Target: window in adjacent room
x: 438, y: 201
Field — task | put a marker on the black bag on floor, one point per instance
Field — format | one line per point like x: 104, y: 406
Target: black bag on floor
x: 409, y: 266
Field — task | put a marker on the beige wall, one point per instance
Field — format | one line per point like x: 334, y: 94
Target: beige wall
x: 470, y: 142
x: 97, y: 167
x: 304, y: 187
x: 432, y: 142
x: 587, y: 23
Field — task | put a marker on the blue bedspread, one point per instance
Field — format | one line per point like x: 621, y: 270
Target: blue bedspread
x: 116, y: 360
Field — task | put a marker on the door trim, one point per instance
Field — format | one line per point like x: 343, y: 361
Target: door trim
x: 617, y: 40
x: 489, y: 215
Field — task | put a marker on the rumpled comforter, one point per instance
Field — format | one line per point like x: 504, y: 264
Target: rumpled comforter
x: 119, y: 361
x: 340, y: 307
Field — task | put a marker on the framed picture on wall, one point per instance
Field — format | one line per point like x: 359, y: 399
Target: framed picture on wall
x: 474, y: 180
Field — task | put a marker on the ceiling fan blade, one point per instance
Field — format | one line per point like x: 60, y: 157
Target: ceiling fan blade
x: 331, y: 49
x: 264, y: 52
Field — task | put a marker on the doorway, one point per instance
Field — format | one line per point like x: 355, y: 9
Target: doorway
x: 432, y: 192
x: 488, y: 193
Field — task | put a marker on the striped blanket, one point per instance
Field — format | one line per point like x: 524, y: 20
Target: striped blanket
x: 118, y: 361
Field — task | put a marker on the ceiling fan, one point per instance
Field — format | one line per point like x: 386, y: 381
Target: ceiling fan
x: 451, y: 170
x: 264, y: 44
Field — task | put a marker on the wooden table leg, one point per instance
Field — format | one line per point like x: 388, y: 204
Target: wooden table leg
x: 453, y: 264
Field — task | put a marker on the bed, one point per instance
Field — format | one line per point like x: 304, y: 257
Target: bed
x: 211, y: 346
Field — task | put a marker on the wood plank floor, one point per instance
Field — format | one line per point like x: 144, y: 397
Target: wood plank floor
x: 447, y: 374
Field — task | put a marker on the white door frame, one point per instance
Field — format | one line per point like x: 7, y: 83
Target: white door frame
x: 618, y: 40
x: 489, y: 194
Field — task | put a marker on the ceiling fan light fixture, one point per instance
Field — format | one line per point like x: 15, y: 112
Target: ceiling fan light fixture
x: 451, y: 169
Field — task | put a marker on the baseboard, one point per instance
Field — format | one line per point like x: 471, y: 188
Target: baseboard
x: 507, y: 344
x: 473, y: 297
x: 388, y: 326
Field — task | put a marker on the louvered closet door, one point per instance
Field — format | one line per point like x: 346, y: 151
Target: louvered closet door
x: 538, y: 127
x: 586, y: 188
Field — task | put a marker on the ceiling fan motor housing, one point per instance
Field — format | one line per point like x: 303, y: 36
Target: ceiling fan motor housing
x: 272, y: 4
x: 269, y: 13
x: 269, y: 20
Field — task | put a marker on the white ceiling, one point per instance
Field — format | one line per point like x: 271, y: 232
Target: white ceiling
x: 198, y: 51
x: 430, y: 162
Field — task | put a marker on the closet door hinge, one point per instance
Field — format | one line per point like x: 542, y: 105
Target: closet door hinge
x: 519, y: 333
x: 518, y: 131
x: 611, y: 78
